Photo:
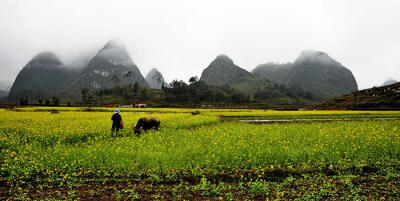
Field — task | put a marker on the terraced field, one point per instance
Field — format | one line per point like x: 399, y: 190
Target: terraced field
x: 68, y: 153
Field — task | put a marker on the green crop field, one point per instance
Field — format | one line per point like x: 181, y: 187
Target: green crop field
x: 69, y: 153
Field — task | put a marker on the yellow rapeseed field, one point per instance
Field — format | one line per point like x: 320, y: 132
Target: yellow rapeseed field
x: 40, y: 144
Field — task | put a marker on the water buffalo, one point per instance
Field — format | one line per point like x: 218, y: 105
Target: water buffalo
x: 146, y: 123
x: 195, y: 113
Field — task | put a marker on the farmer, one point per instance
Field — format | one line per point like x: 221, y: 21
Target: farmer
x: 117, y: 122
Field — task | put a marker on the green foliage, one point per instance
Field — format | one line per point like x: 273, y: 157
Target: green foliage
x: 259, y: 187
x: 382, y: 98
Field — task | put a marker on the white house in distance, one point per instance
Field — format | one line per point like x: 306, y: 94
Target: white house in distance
x: 141, y: 105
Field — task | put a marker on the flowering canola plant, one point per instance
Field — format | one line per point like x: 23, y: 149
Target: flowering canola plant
x: 41, y: 144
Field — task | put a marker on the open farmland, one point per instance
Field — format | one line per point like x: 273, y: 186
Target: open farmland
x: 60, y: 153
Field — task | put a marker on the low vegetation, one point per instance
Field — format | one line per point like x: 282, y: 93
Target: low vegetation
x: 376, y: 98
x: 71, y: 154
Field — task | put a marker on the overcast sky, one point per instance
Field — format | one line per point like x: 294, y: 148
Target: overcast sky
x: 181, y: 37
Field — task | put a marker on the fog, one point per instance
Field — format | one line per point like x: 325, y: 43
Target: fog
x: 181, y: 37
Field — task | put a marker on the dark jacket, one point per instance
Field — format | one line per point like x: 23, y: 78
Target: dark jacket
x: 116, y: 118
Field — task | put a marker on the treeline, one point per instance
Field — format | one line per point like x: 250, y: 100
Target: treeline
x: 199, y: 92
x: 176, y: 93
x: 52, y: 101
x: 180, y: 93
x: 195, y: 92
x: 276, y: 90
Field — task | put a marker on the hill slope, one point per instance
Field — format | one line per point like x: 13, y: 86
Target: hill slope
x: 155, y: 79
x: 389, y: 82
x: 385, y: 97
x: 45, y: 75
x: 278, y: 73
x: 223, y: 71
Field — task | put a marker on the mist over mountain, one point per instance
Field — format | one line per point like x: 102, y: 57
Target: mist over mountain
x: 3, y: 93
x: 311, y: 77
x: 389, y: 82
x: 155, y: 79
x: 45, y: 75
x: 188, y: 40
x: 112, y: 66
x: 81, y: 60
x: 314, y: 71
x: 5, y: 85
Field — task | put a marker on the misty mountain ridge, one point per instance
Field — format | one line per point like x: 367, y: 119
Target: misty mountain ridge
x: 46, y: 75
x: 81, y: 60
x: 390, y: 81
x: 45, y: 59
x: 155, y: 79
x: 311, y: 72
x: 314, y: 71
x: 223, y: 71
x: 314, y: 56
x: 115, y: 52
x: 5, y: 85
x: 112, y: 66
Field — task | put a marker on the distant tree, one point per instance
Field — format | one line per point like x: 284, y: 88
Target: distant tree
x: 309, y: 95
x: 55, y: 100
x: 143, y: 94
x: 193, y: 80
x: 178, y: 84
x: 178, y: 91
x: 238, y: 97
x: 91, y: 98
x: 47, y: 102
x: 126, y: 91
x: 136, y: 87
x: 23, y: 101
x: 40, y: 101
x: 84, y: 93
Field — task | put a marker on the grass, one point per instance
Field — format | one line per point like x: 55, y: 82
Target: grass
x: 198, y: 156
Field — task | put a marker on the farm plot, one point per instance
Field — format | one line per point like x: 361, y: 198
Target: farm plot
x: 72, y: 155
